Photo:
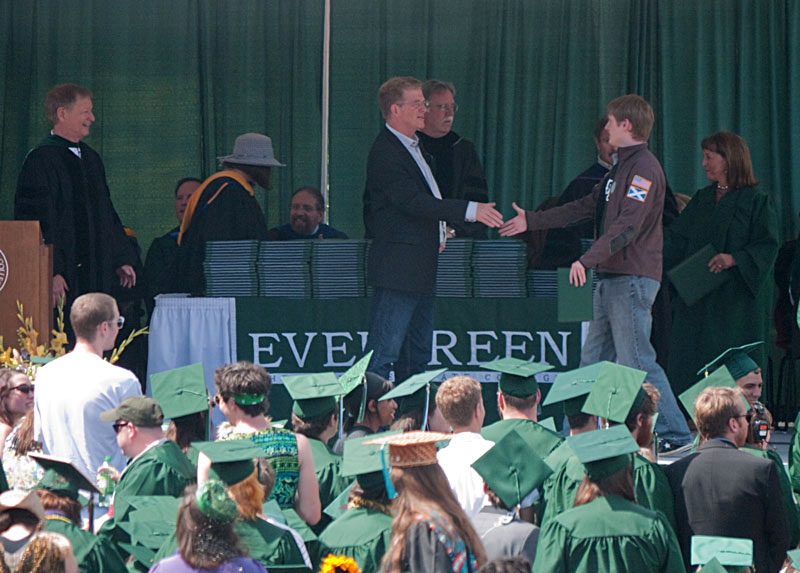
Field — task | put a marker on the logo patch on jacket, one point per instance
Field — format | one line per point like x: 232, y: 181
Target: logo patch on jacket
x: 639, y: 188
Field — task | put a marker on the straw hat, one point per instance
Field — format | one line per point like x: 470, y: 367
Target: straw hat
x: 412, y: 449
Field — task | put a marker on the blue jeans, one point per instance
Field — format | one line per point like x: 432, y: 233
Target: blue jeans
x: 620, y: 332
x: 400, y: 332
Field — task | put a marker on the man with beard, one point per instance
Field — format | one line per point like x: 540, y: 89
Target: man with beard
x: 306, y: 212
x: 224, y: 208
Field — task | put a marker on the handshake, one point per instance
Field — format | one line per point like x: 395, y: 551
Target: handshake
x: 493, y: 219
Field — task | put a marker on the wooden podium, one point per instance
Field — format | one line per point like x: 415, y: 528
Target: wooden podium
x: 26, y: 275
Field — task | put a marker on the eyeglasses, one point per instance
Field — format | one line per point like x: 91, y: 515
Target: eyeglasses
x: 120, y: 322
x: 119, y: 425
x: 217, y: 399
x: 24, y: 388
x: 447, y: 107
x: 416, y: 104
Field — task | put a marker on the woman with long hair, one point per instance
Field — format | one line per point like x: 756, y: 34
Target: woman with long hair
x: 606, y: 530
x: 16, y: 398
x: 206, y: 537
x: 430, y: 532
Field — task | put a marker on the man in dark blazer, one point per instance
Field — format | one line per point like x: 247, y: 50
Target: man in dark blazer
x: 405, y: 216
x: 721, y: 491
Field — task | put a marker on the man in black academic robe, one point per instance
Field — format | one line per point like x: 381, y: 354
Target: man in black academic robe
x: 63, y: 186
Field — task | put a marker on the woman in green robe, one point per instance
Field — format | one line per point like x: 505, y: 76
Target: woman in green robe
x: 606, y: 531
x: 739, y: 222
x: 364, y: 531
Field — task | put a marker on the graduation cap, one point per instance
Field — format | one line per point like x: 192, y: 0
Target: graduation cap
x: 180, y: 391
x: 351, y: 379
x: 408, y: 450
x: 604, y: 452
x: 719, y: 377
x: 794, y: 555
x: 517, y: 376
x: 231, y: 460
x: 365, y: 461
x: 417, y: 392
x: 150, y: 524
x: 737, y: 360
x: 570, y: 388
x: 314, y: 395
x: 728, y: 551
x: 616, y: 392
x: 338, y: 506
x: 62, y: 477
x: 548, y: 423
x: 512, y: 469
x: 713, y: 566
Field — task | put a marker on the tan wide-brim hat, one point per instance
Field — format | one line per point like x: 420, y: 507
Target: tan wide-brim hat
x: 19, y: 499
x: 253, y: 149
x: 411, y: 449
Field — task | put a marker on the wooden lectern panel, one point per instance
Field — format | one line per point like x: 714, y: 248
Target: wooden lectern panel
x: 26, y: 274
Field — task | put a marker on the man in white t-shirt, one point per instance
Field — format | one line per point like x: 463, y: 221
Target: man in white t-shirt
x: 460, y: 401
x: 72, y: 391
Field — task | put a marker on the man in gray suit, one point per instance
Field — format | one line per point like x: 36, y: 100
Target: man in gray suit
x: 721, y: 491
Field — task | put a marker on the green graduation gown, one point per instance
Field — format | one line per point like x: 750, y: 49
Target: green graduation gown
x: 649, y: 483
x: 744, y: 225
x: 541, y: 440
x: 362, y: 534
x: 794, y: 455
x: 786, y: 491
x: 94, y: 554
x: 609, y: 534
x: 270, y: 545
x: 161, y: 470
x: 327, y: 466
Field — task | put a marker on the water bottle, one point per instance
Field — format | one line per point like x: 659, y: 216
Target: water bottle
x: 106, y: 482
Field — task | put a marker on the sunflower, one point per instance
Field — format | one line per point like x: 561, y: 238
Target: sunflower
x: 339, y: 564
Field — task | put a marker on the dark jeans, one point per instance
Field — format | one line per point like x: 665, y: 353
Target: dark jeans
x: 400, y: 332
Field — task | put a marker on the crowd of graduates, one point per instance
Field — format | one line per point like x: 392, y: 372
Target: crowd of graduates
x: 262, y: 496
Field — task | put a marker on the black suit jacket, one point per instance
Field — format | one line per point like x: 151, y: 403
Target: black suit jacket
x: 722, y: 491
x: 402, y: 216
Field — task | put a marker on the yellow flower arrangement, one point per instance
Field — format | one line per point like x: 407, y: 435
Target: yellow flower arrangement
x: 339, y: 564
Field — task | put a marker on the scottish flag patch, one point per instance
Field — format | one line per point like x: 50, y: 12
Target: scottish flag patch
x: 639, y: 188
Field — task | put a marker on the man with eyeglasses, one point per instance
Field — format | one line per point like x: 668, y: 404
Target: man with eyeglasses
x: 157, y: 465
x: 72, y: 391
x: 404, y: 215
x: 456, y: 165
x: 721, y: 491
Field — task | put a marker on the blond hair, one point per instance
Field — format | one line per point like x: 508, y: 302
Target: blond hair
x: 457, y: 398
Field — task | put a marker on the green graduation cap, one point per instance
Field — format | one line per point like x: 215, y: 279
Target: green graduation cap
x: 604, y: 452
x: 416, y: 392
x: 729, y: 551
x: 548, y: 423
x: 180, y: 391
x: 363, y: 461
x: 719, y: 377
x: 794, y: 555
x: 517, y: 376
x: 570, y: 388
x: 61, y: 477
x: 737, y: 359
x: 351, y: 378
x: 231, y: 460
x: 338, y: 506
x: 314, y: 395
x: 713, y: 566
x: 141, y: 553
x: 512, y: 469
x: 617, y: 391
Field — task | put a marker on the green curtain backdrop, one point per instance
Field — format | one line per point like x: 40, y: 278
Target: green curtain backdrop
x: 174, y: 83
x: 176, y: 80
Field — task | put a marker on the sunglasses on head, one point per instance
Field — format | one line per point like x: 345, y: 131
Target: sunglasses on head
x: 24, y: 388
